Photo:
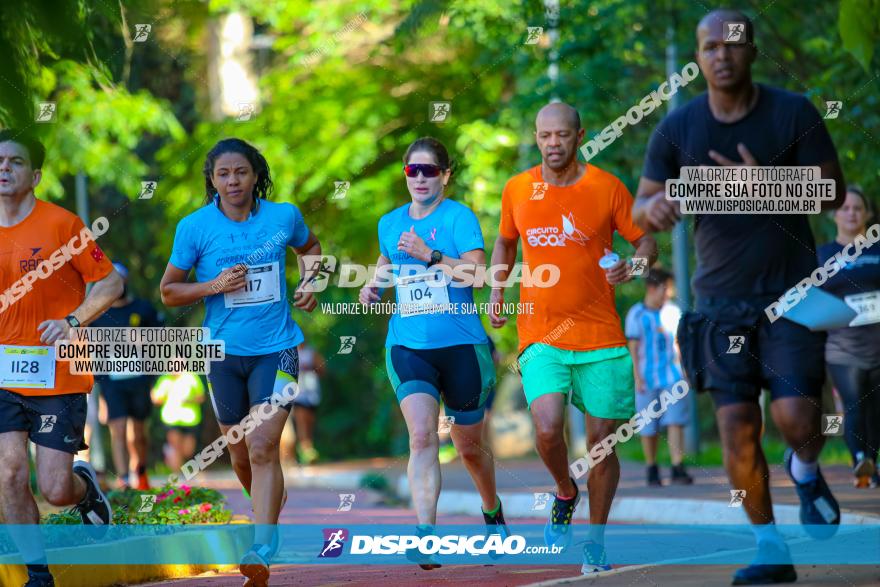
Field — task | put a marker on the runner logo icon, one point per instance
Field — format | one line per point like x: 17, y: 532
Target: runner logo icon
x: 539, y: 189
x: 736, y: 344
x: 147, y: 503
x: 541, y: 501
x: 832, y: 424
x: 334, y: 539
x: 346, y: 500
x: 638, y: 266
x: 737, y: 496
x: 47, y: 423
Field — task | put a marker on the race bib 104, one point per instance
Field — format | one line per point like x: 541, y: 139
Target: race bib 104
x: 422, y: 293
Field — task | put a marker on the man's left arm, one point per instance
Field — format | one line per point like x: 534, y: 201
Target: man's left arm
x: 646, y: 246
x: 102, y: 295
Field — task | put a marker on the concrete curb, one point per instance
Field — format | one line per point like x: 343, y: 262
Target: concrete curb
x: 311, y: 478
x: 13, y: 572
x: 636, y: 509
x: 653, y: 510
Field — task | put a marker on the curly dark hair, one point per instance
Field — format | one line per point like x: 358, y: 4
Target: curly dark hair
x: 262, y: 188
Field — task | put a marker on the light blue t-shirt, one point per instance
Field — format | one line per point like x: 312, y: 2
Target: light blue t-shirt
x: 656, y: 331
x: 453, y: 229
x: 210, y: 242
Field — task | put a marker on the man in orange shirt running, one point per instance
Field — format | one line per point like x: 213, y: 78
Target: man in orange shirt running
x: 566, y: 213
x: 46, y: 258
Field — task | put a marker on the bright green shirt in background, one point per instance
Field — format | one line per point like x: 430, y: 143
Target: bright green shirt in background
x: 181, y: 395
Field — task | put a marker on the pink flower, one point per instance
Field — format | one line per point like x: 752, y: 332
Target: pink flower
x: 183, y: 512
x: 205, y: 507
x: 186, y: 490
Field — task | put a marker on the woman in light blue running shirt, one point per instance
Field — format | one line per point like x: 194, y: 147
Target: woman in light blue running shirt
x: 237, y: 245
x: 437, y: 347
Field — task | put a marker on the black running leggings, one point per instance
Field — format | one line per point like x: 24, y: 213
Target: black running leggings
x: 860, y: 391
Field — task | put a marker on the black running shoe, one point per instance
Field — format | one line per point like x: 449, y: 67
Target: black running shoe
x: 680, y: 476
x: 40, y: 580
x: 653, y: 476
x: 772, y: 565
x: 495, y: 524
x: 820, y: 512
x: 557, y: 531
x: 94, y: 509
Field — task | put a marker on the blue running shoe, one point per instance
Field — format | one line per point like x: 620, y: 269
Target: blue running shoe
x: 771, y: 565
x: 557, y: 532
x: 820, y: 512
x: 425, y: 561
x: 595, y: 560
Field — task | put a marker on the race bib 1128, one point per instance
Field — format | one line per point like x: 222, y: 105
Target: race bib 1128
x: 27, y: 366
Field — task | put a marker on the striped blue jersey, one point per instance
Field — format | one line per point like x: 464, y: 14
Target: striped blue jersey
x: 658, y: 356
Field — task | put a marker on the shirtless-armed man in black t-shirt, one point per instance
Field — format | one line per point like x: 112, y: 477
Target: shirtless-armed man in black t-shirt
x: 744, y: 262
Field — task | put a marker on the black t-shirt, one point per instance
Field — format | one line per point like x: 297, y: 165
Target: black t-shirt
x: 137, y: 313
x: 856, y: 345
x: 745, y: 255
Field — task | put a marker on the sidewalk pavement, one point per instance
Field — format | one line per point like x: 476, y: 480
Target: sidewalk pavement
x: 525, y: 477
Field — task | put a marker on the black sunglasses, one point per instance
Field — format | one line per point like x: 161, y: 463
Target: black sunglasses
x: 428, y: 170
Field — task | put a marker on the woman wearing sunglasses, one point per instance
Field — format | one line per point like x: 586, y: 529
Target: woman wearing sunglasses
x: 436, y: 349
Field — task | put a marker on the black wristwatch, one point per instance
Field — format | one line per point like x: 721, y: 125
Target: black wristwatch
x: 436, y: 257
x: 74, y: 323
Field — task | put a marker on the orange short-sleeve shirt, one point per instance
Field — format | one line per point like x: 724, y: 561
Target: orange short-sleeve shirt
x: 23, y: 247
x: 569, y: 227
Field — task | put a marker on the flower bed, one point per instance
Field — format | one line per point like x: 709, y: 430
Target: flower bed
x: 172, y: 505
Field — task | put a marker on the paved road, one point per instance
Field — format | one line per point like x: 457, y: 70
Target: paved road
x: 319, y: 506
x: 305, y: 507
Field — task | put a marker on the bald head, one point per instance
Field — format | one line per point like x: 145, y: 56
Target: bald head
x: 714, y: 21
x: 725, y: 54
x: 556, y: 113
x: 558, y: 133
